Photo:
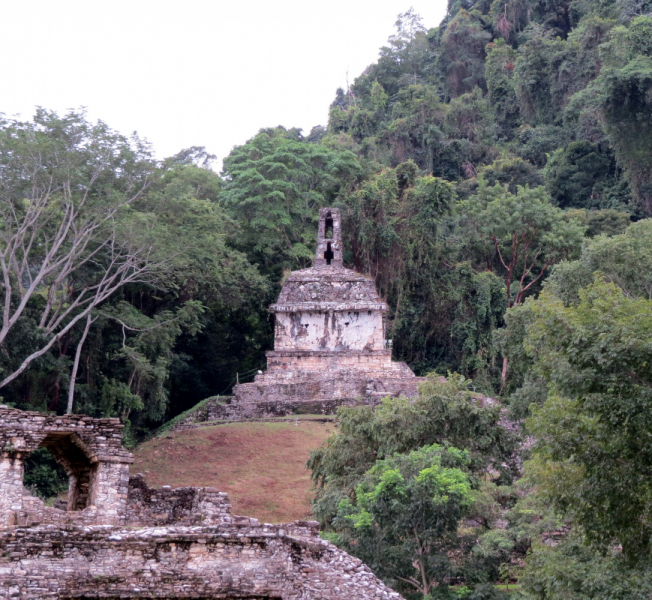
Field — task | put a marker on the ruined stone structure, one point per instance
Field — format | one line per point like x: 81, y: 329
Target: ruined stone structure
x: 118, y: 538
x: 329, y: 341
x: 90, y: 451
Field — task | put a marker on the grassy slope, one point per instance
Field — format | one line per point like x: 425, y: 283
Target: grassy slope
x: 260, y: 465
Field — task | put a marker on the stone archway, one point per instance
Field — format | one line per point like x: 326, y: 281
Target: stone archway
x: 69, y: 451
x: 91, y: 452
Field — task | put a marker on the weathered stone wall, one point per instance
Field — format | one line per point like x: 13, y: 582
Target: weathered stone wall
x: 337, y: 331
x: 309, y: 382
x: 321, y: 396
x: 144, y: 507
x: 91, y: 452
x: 342, y: 389
x: 286, y: 404
x: 297, y: 381
x: 136, y: 542
x: 329, y: 238
x: 243, y: 411
x: 175, y: 506
x: 244, y: 559
x: 107, y: 496
x: 286, y: 365
x: 106, y: 507
x: 334, y: 285
x: 11, y: 488
x: 24, y: 431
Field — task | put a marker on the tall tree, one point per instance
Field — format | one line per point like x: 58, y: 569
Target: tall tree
x: 409, y: 46
x: 275, y: 184
x: 592, y: 457
x: 68, y: 236
x: 520, y: 236
x: 405, y: 516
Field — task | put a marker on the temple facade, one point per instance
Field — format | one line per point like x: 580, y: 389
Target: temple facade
x: 330, y: 346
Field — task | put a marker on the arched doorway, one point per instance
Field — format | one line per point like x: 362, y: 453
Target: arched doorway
x: 67, y: 449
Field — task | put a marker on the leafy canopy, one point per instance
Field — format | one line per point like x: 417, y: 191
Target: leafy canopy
x: 593, y: 451
x: 523, y: 234
x: 275, y: 185
x: 446, y: 412
x: 405, y: 513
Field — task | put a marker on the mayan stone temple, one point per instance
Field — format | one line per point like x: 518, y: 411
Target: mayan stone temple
x: 329, y: 341
x: 118, y: 538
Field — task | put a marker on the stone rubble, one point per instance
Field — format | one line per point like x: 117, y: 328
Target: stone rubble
x: 242, y: 560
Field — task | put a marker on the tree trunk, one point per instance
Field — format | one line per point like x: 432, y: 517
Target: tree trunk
x: 503, y: 377
x: 73, y: 375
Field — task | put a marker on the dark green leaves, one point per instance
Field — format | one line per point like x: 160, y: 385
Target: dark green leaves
x: 275, y: 186
x: 593, y: 455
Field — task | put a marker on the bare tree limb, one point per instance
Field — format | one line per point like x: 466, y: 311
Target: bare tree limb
x: 75, y: 366
x: 60, y: 234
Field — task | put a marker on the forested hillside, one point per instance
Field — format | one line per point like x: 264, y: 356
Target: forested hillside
x: 494, y: 175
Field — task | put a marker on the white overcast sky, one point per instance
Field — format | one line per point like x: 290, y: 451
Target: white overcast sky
x: 193, y: 72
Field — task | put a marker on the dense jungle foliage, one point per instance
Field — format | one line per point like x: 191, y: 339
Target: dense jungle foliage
x: 494, y: 175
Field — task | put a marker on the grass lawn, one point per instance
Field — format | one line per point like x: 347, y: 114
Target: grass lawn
x: 260, y: 465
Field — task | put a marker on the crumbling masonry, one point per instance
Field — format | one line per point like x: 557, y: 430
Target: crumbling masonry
x: 118, y: 538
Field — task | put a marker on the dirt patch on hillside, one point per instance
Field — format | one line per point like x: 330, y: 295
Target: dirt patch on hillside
x: 260, y: 465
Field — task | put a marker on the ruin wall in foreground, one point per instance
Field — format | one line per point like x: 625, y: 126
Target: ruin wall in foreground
x: 119, y: 538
